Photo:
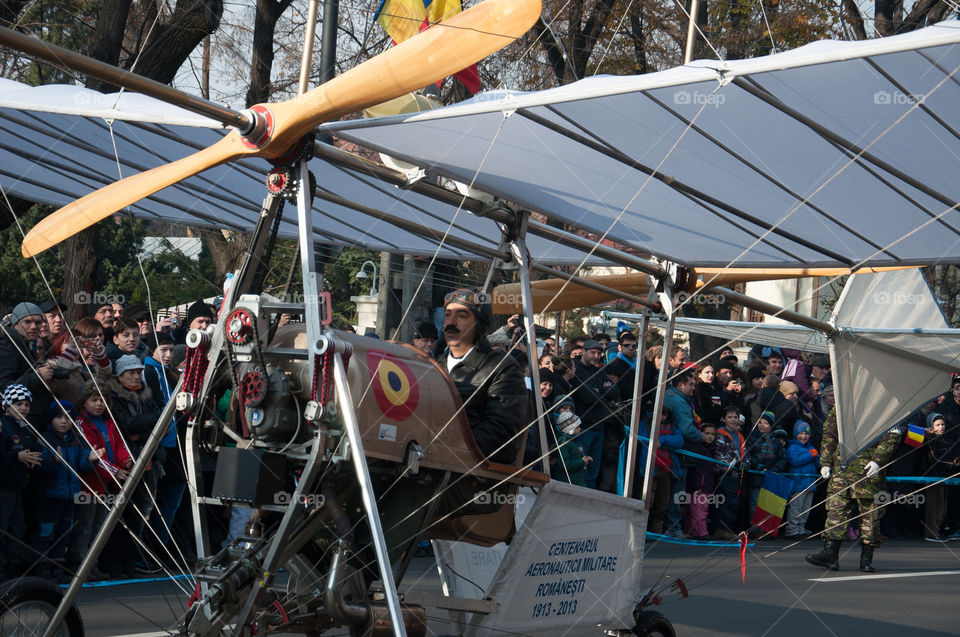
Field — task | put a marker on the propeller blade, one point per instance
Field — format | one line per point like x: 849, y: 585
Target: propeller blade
x: 506, y: 298
x: 100, y: 204
x: 429, y: 56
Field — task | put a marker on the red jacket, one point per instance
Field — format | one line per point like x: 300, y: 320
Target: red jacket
x: 101, y: 480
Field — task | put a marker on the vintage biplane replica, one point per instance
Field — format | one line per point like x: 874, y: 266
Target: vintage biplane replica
x: 364, y: 438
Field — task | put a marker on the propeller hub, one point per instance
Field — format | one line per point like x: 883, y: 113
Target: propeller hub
x: 261, y: 126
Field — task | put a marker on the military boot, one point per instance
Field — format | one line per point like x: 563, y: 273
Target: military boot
x: 866, y: 558
x: 829, y: 557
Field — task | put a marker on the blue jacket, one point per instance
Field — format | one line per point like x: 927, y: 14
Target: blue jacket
x: 682, y: 409
x: 54, y: 477
x: 669, y: 441
x: 803, y: 462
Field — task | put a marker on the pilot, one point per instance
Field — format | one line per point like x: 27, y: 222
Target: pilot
x: 425, y: 337
x: 490, y: 384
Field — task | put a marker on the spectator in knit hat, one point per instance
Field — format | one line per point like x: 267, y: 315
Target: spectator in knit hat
x: 572, y: 461
x: 19, y: 452
x: 18, y: 360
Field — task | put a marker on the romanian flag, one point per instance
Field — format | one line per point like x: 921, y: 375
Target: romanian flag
x: 772, y: 502
x: 914, y: 436
x: 403, y: 19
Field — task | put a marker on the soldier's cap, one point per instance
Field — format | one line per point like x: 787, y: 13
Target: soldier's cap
x: 592, y: 344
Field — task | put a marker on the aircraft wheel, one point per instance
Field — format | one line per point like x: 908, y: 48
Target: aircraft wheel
x: 27, y: 605
x: 652, y: 624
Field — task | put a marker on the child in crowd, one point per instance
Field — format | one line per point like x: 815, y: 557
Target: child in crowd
x: 804, y: 461
x: 58, y: 481
x: 730, y: 450
x: 97, y: 429
x: 936, y: 460
x: 700, y: 482
x: 19, y: 452
x: 766, y: 453
x: 572, y: 463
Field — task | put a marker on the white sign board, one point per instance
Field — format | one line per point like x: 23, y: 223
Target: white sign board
x: 573, y: 565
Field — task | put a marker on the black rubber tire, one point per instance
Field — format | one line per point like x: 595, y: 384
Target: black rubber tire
x: 653, y: 624
x: 43, y: 596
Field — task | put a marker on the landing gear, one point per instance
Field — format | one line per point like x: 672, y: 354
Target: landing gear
x: 27, y: 605
x: 653, y: 624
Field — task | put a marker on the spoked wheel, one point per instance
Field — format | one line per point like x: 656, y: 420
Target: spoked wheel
x: 28, y: 604
x: 652, y: 624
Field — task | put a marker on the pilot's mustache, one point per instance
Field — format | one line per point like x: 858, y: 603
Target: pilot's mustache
x: 451, y: 329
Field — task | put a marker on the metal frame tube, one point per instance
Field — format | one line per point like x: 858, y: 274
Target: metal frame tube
x: 307, y: 54
x: 635, y: 407
x: 519, y: 248
x: 108, y: 73
x: 366, y: 493
x: 691, y: 31
x: 658, y: 407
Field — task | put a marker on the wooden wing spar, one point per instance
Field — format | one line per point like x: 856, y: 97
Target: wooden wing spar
x: 428, y: 57
x: 553, y: 295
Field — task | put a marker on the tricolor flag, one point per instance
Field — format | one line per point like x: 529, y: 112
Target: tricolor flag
x: 772, y: 502
x: 914, y: 436
x: 403, y: 19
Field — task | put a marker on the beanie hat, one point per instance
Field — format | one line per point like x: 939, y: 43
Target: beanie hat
x: 801, y: 427
x: 780, y: 433
x: 567, y: 422
x: 22, y: 311
x: 57, y: 408
x: 426, y: 330
x: 755, y: 372
x: 566, y: 402
x: 128, y: 362
x: 159, y: 338
x: 725, y: 364
x: 789, y: 387
x: 769, y: 417
x: 547, y: 376
x: 136, y: 312
x: 820, y: 360
x: 15, y: 393
x: 934, y: 417
x: 199, y: 308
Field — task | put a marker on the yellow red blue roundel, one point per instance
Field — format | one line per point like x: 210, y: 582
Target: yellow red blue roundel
x: 394, y: 385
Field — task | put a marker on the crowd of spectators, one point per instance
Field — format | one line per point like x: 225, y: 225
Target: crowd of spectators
x: 725, y: 423
x: 78, y: 405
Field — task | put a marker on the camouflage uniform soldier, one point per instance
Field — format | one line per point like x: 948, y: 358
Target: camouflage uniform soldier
x: 857, y: 483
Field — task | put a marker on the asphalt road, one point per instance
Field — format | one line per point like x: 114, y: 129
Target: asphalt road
x: 912, y: 593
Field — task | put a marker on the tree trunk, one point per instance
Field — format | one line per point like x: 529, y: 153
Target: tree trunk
x: 268, y: 12
x: 851, y: 13
x: 106, y: 40
x: 169, y: 44
x: 80, y: 261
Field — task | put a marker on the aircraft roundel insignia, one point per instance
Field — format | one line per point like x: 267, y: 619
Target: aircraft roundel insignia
x: 394, y: 385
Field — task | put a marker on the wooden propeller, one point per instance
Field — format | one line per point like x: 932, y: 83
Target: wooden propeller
x: 507, y: 298
x: 431, y: 55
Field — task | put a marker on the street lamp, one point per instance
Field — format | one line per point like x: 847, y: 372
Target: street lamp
x: 362, y: 276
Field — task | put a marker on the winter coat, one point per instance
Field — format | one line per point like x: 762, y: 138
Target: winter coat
x: 700, y: 476
x: 786, y: 412
x: 64, y: 460
x: 730, y: 447
x: 161, y: 382
x: 136, y: 413
x: 14, y: 438
x: 592, y: 390
x: 798, y: 372
x: 765, y: 453
x: 496, y: 411
x: 571, y: 457
x: 803, y: 459
x: 17, y: 363
x: 685, y: 419
x: 668, y: 440
x: 99, y: 479
x: 709, y: 401
x: 938, y: 457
